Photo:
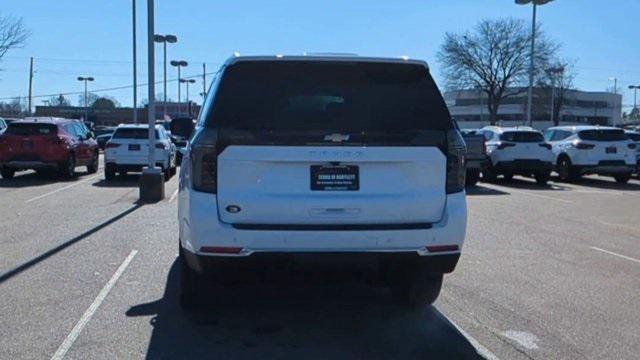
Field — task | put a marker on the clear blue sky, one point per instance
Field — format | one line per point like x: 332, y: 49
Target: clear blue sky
x: 71, y: 38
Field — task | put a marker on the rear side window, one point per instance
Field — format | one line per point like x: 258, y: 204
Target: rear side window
x: 133, y: 133
x: 31, y: 129
x: 603, y: 135
x: 329, y: 96
x: 522, y: 136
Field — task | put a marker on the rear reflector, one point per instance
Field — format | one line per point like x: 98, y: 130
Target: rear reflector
x: 442, y: 248
x: 220, y: 250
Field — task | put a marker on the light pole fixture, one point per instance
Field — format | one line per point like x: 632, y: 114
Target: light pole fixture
x: 179, y: 64
x: 164, y: 39
x: 86, y: 108
x: 554, y: 71
x: 533, y: 47
x: 188, y: 81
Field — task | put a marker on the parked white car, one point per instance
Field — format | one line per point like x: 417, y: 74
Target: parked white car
x: 519, y: 150
x: 128, y: 150
x: 635, y: 137
x: 318, y: 159
x: 588, y: 149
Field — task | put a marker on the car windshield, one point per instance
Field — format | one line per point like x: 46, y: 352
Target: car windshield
x: 132, y: 133
x: 348, y: 96
x: 31, y: 129
x: 522, y: 136
x: 603, y: 135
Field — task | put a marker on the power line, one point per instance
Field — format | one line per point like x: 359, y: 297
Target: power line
x: 107, y: 89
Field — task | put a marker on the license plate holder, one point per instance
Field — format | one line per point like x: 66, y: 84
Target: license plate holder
x: 611, y: 150
x: 134, y: 147
x: 335, y: 177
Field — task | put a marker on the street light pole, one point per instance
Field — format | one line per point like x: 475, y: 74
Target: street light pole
x: 187, y: 81
x: 532, y: 55
x: 635, y: 93
x: 164, y: 39
x: 135, y: 67
x: 554, y: 71
x: 179, y: 64
x: 86, y: 107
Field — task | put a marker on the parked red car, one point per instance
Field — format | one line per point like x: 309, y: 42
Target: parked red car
x: 46, y: 144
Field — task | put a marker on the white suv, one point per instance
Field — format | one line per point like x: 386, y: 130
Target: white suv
x: 311, y: 158
x: 128, y: 150
x: 580, y: 150
x: 519, y: 150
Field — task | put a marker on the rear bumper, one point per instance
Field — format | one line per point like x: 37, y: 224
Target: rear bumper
x: 200, y: 227
x: 131, y: 167
x: 523, y: 166
x: 37, y: 165
x: 332, y: 261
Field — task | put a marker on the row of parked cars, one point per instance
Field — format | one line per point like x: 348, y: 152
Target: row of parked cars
x: 570, y: 151
x: 57, y: 145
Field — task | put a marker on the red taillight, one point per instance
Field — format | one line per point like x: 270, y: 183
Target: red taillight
x: 583, y: 146
x: 455, y: 162
x: 220, y: 250
x: 545, y: 145
x: 503, y: 145
x: 111, y: 145
x: 442, y: 248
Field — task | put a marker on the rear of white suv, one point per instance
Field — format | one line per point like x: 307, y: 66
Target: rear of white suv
x: 521, y: 151
x: 581, y: 150
x: 128, y: 150
x: 304, y: 159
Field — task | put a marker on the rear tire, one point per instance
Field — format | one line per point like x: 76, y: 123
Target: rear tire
x: 167, y: 174
x: 566, y: 171
x: 622, y: 178
x: 473, y: 176
x: 507, y: 176
x: 542, y: 177
x: 109, y: 173
x: 68, y: 168
x: 7, y: 173
x: 416, y: 290
x: 92, y: 168
x: 489, y: 175
x: 190, y: 285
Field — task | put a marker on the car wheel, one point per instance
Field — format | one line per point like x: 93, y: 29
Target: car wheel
x: 489, y: 175
x: 122, y: 173
x: 167, y: 173
x: 109, y: 173
x: 92, y: 168
x: 472, y: 177
x: 416, y: 290
x: 622, y: 178
x: 68, y: 168
x: 508, y: 176
x: 542, y: 177
x: 190, y: 285
x: 7, y: 173
x: 566, y: 171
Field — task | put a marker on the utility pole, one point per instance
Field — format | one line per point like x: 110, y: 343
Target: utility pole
x: 135, y: 68
x: 30, y: 84
x: 204, y: 80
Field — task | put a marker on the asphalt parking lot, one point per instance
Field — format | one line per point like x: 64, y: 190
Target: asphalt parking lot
x: 546, y: 272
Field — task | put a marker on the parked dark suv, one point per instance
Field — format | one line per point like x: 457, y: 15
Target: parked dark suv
x: 45, y: 144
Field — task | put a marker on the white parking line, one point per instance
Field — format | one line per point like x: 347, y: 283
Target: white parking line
x: 173, y: 196
x: 75, y: 332
x: 61, y: 189
x: 527, y: 193
x: 615, y: 254
x: 482, y: 351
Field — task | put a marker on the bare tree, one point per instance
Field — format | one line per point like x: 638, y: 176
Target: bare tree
x: 13, y: 34
x: 59, y: 100
x: 494, y: 58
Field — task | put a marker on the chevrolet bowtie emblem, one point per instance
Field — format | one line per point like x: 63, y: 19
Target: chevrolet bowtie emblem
x: 336, y: 137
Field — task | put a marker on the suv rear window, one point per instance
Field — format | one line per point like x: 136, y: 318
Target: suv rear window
x: 522, y: 136
x: 31, y: 129
x: 603, y: 135
x: 132, y: 133
x: 323, y: 95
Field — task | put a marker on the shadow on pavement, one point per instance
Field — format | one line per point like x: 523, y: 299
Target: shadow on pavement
x: 20, y: 268
x: 606, y: 182
x: 530, y: 184
x: 128, y: 180
x: 31, y: 178
x: 295, y: 317
x: 483, y: 190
